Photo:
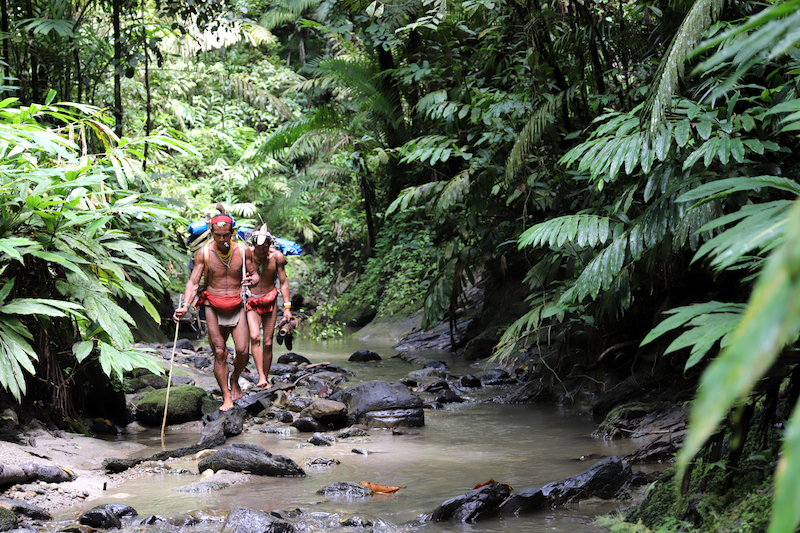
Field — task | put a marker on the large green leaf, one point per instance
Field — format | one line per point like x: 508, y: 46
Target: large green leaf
x: 771, y: 320
x: 583, y: 230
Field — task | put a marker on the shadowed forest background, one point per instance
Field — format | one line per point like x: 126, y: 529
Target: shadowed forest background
x: 628, y: 171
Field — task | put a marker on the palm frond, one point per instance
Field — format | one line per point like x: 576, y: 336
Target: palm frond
x: 531, y: 133
x: 659, y: 100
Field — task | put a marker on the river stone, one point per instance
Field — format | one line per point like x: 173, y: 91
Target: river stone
x: 426, y: 374
x: 323, y: 410
x: 291, y: 357
x: 362, y: 356
x: 185, y: 405
x: 250, y: 458
x: 603, y: 480
x: 434, y: 386
x: 470, y: 381
x: 309, y: 425
x: 346, y: 489
x: 106, y: 516
x: 381, y: 404
x: 448, y: 396
x: 225, y: 424
x: 525, y: 501
x: 299, y: 403
x: 318, y: 439
x: 20, y: 507
x: 474, y: 505
x: 243, y: 520
x: 204, y: 486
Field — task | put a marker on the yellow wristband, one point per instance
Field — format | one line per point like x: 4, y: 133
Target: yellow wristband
x: 287, y: 306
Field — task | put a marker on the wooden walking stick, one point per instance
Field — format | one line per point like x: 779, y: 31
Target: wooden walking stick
x: 169, y: 379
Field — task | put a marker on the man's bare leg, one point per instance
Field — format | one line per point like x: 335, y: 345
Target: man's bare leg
x: 216, y: 340
x: 268, y: 322
x: 254, y: 323
x: 241, y: 341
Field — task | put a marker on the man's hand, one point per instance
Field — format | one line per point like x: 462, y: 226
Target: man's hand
x: 180, y: 312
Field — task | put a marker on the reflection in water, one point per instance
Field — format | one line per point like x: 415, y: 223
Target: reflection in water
x: 460, y: 446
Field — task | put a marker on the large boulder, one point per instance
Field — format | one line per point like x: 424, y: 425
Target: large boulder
x: 106, y: 516
x: 379, y: 404
x: 250, y: 458
x: 477, y: 504
x: 243, y: 520
x: 185, y: 405
x: 602, y: 480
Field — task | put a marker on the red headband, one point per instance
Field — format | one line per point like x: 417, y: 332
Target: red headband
x: 226, y: 219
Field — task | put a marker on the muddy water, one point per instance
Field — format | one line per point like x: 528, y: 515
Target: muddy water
x: 460, y: 446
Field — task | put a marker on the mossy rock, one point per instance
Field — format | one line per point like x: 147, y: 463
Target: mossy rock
x: 186, y: 403
x: 8, y: 520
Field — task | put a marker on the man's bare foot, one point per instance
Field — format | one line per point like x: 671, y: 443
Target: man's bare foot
x: 262, y: 382
x: 226, y: 406
x: 236, y: 391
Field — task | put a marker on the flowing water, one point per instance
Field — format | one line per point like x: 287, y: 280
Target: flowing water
x: 460, y: 446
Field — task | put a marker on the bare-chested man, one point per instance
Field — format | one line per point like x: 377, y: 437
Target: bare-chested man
x: 222, y: 265
x: 262, y: 311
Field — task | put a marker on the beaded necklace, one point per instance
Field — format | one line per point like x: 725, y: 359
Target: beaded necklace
x: 224, y: 258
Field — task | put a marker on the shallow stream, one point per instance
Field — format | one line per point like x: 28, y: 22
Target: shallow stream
x: 459, y: 447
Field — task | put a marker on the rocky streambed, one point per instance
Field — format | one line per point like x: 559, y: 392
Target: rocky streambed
x: 44, y: 470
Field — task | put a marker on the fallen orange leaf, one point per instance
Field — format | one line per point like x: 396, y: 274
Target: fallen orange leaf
x: 380, y: 488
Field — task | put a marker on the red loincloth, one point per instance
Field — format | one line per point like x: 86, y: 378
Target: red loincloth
x: 222, y: 304
x: 263, y: 304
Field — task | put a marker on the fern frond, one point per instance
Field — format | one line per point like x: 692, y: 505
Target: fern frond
x: 724, y: 187
x: 531, y: 133
x: 761, y: 227
x: 699, y: 18
x: 583, y: 230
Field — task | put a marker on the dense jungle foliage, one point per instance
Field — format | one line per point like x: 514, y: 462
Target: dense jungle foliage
x: 636, y: 161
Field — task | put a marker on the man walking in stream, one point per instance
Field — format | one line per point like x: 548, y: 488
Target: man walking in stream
x: 262, y: 309
x: 228, y: 270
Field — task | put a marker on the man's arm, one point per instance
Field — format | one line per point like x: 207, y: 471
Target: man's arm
x: 252, y: 277
x: 192, y: 285
x: 280, y: 263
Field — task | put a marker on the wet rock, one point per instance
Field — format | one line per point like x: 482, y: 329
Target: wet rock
x: 656, y: 451
x: 426, y: 374
x: 327, y: 412
x: 360, y: 451
x: 299, y: 403
x: 284, y: 417
x: 603, y: 480
x: 477, y: 504
x: 311, y: 462
x: 250, y: 458
x: 362, y: 356
x: 318, y: 439
x: 308, y: 425
x: 469, y: 381
x: 525, y: 501
x: 351, y: 432
x: 439, y: 365
x: 22, y: 508
x: 496, y: 376
x: 448, y: 396
x: 243, y: 520
x: 106, y: 516
x: 204, y: 486
x: 224, y: 424
x: 185, y: 404
x: 143, y: 381
x: 345, y: 489
x: 317, y: 384
x: 291, y: 357
x: 434, y: 386
x: 381, y: 404
x: 357, y: 521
